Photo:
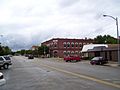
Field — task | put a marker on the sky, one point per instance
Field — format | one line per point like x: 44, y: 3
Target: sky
x: 24, y: 23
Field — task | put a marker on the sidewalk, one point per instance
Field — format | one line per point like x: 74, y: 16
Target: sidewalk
x: 112, y: 64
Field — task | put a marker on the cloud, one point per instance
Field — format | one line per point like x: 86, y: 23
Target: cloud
x: 24, y: 23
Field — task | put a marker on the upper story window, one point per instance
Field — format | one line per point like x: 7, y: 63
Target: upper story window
x: 80, y: 44
x: 72, y: 52
x: 72, y: 44
x: 68, y: 44
x: 76, y: 44
x: 64, y: 44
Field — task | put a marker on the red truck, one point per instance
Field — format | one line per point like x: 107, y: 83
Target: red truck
x: 72, y: 58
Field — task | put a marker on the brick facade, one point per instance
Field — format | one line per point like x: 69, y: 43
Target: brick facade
x: 60, y: 47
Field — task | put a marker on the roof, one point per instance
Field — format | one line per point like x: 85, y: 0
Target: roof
x: 70, y: 39
x: 92, y: 46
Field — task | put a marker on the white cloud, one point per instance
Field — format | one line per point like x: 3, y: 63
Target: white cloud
x: 34, y: 21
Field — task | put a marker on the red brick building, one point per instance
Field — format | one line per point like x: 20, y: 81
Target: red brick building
x: 60, y: 47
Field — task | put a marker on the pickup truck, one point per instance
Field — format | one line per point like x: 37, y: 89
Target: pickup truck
x: 72, y: 58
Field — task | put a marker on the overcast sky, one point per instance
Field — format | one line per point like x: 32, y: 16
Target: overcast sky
x: 24, y: 23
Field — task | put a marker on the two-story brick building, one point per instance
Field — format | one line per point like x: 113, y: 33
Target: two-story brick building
x: 60, y: 47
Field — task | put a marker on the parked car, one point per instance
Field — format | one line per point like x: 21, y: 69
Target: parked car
x: 98, y: 61
x: 26, y: 55
x: 5, y: 61
x: 30, y: 57
x: 2, y: 80
x: 72, y: 58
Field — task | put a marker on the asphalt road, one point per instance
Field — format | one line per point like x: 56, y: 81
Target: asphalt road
x: 55, y: 74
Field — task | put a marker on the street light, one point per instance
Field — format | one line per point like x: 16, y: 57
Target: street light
x: 118, y: 39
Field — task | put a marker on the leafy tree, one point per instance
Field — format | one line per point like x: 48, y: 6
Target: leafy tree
x: 28, y: 51
x: 43, y: 50
x: 106, y: 39
x: 4, y: 50
x: 99, y: 39
x: 22, y: 52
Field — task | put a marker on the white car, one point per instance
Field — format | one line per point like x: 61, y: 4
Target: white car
x: 5, y: 61
x: 2, y: 80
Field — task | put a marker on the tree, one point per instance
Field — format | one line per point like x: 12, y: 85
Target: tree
x: 4, y: 50
x: 43, y: 50
x: 99, y: 39
x: 106, y: 39
x: 28, y: 51
x: 22, y: 52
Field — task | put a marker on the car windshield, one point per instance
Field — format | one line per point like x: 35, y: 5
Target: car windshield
x: 7, y: 58
x: 97, y: 58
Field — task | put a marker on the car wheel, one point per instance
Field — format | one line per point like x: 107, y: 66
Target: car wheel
x: 5, y: 66
x: 100, y: 63
x: 92, y: 63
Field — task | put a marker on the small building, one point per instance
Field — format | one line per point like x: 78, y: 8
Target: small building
x: 60, y: 47
x: 34, y: 48
x: 109, y: 51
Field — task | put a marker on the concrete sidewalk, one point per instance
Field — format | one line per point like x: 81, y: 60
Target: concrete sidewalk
x: 112, y: 64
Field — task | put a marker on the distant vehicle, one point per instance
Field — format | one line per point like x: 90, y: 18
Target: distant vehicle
x: 9, y: 55
x: 30, y: 57
x: 72, y: 58
x: 98, y: 61
x: 2, y: 80
x: 26, y: 55
x: 5, y: 61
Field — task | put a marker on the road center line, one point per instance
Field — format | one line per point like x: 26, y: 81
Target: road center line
x: 82, y: 76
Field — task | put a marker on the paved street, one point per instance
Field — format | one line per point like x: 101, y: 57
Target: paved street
x: 55, y: 74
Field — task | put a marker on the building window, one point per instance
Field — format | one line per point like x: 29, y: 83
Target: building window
x: 76, y: 52
x: 80, y: 44
x: 65, y: 53
x: 68, y: 52
x: 72, y: 44
x: 76, y: 44
x: 68, y: 44
x: 72, y: 52
x: 64, y: 44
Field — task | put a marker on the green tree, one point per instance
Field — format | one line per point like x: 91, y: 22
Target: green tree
x: 22, y: 52
x: 4, y: 50
x: 43, y: 50
x: 106, y: 39
x: 28, y: 51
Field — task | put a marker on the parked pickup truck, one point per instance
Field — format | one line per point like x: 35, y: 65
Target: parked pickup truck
x: 72, y: 58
